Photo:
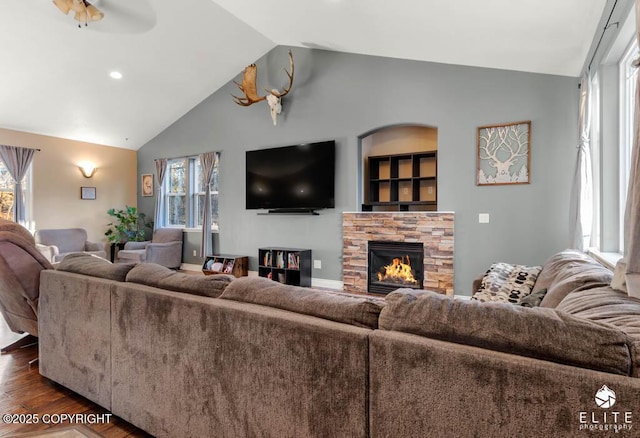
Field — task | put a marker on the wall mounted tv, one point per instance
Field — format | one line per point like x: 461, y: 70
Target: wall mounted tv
x: 292, y: 179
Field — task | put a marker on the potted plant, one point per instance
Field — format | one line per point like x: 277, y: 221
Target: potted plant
x: 129, y: 225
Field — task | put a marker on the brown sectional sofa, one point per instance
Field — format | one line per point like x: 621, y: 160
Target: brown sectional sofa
x: 250, y: 357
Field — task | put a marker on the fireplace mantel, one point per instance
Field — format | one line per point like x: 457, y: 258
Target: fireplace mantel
x: 433, y: 229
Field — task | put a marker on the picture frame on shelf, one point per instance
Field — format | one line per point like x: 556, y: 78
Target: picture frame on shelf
x: 504, y: 154
x: 147, y: 184
x: 88, y: 193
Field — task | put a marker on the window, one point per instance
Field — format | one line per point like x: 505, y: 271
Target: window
x: 184, y: 199
x: 628, y: 78
x: 6, y: 195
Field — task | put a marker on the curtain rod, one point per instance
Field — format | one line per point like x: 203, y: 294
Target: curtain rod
x: 606, y: 27
x: 35, y: 149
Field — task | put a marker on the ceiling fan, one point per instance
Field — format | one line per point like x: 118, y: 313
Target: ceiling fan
x: 124, y: 16
x: 84, y: 11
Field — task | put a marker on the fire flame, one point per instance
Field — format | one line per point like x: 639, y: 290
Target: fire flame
x: 398, y: 272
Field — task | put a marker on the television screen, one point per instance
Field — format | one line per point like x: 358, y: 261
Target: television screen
x: 297, y: 177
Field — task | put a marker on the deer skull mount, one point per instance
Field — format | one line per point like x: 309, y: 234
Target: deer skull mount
x: 274, y: 98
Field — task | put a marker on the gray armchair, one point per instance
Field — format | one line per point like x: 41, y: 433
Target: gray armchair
x: 20, y: 266
x: 165, y: 248
x: 67, y: 241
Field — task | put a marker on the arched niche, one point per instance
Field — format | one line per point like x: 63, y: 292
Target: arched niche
x: 412, y: 150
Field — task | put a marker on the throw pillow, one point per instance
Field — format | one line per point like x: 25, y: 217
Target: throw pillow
x: 507, y: 283
x: 533, y: 299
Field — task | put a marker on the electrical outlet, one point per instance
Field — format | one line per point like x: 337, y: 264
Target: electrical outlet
x: 430, y: 190
x: 317, y: 264
x: 483, y: 218
x: 194, y: 253
x: 405, y: 191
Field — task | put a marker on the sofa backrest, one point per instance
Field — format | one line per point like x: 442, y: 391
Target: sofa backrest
x: 67, y: 239
x: 12, y: 227
x: 164, y: 235
x: 184, y: 365
x: 533, y: 332
x: 358, y: 310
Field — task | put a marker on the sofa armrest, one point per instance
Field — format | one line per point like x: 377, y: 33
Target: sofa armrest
x: 476, y: 283
x: 93, y: 246
x: 137, y: 245
x: 48, y: 251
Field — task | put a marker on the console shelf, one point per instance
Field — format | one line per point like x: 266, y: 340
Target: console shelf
x: 403, y: 182
x: 235, y: 265
x: 287, y: 265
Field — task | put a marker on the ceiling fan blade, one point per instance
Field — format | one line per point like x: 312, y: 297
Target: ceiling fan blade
x: 125, y: 16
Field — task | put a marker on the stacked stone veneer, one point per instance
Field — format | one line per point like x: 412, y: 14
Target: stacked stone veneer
x: 433, y: 229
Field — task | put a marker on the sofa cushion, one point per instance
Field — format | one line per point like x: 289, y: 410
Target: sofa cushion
x: 569, y: 271
x: 507, y: 283
x: 610, y: 306
x: 534, y: 332
x: 357, y: 310
x: 575, y: 278
x: 89, y: 264
x: 154, y: 275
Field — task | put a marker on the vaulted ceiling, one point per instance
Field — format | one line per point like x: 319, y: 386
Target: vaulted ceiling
x: 55, y: 77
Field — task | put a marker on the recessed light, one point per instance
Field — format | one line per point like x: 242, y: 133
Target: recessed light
x: 115, y: 75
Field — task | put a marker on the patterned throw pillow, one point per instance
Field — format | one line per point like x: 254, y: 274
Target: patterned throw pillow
x: 506, y: 283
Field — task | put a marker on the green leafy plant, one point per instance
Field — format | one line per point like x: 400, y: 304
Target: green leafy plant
x: 129, y: 225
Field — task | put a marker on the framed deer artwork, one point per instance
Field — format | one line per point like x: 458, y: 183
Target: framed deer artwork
x: 504, y: 154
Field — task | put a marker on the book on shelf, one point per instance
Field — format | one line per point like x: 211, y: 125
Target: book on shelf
x: 267, y: 258
x: 293, y: 261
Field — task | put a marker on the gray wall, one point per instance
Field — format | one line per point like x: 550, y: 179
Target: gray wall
x: 342, y: 96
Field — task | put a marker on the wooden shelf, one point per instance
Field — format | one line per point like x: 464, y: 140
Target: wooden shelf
x: 235, y: 265
x: 403, y: 181
x: 287, y: 265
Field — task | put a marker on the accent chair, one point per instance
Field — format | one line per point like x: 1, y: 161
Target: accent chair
x: 65, y: 241
x: 165, y: 248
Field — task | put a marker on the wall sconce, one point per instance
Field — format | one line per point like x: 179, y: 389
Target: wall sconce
x: 87, y: 169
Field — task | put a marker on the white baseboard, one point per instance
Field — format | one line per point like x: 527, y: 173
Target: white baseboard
x: 327, y: 284
x: 190, y: 267
x: 462, y: 297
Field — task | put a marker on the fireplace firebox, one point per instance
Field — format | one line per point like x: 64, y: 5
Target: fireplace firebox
x: 393, y: 265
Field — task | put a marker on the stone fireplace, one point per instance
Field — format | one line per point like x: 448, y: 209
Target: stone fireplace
x: 434, y: 230
x: 393, y: 265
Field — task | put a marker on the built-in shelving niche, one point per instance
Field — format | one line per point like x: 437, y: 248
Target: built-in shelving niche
x: 399, y: 169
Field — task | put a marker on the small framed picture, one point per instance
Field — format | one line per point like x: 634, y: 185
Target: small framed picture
x: 87, y: 193
x: 147, y: 184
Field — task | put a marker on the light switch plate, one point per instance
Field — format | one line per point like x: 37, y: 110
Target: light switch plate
x: 317, y: 264
x: 483, y: 218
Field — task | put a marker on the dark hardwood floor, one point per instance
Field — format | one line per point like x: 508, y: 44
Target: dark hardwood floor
x: 24, y: 391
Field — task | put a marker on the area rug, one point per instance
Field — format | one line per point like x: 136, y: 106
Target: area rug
x: 65, y: 432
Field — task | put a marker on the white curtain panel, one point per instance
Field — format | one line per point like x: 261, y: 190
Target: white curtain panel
x: 581, y: 208
x: 161, y: 170
x: 632, y: 212
x: 208, y: 161
x: 17, y: 161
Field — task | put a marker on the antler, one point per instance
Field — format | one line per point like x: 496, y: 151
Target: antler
x: 286, y: 90
x: 248, y: 85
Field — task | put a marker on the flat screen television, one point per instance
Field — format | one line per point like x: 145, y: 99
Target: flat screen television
x: 298, y: 178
